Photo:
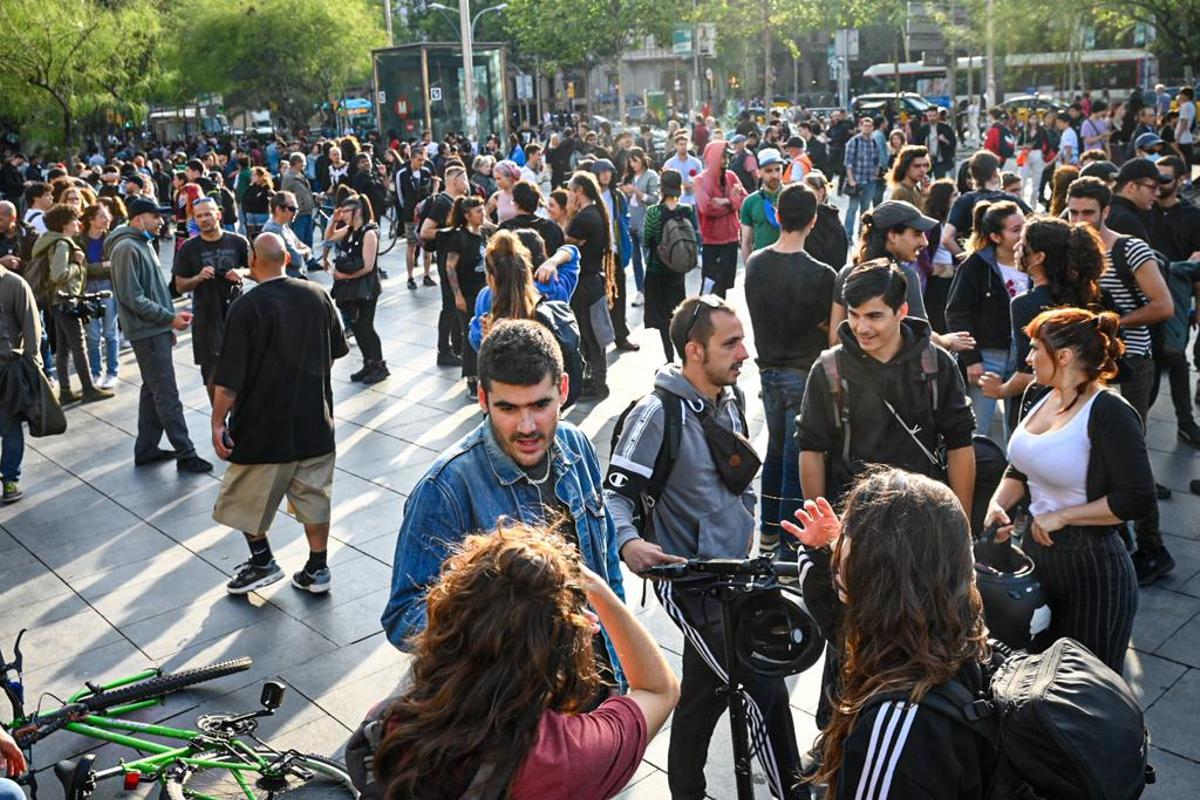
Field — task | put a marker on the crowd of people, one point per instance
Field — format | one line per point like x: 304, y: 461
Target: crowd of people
x: 890, y: 339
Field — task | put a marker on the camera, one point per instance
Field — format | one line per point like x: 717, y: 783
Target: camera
x: 84, y: 307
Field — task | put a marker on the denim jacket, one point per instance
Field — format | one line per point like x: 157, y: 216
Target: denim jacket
x: 468, y: 489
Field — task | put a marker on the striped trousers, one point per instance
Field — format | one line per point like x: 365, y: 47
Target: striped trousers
x: 772, y: 732
x: 1092, y: 588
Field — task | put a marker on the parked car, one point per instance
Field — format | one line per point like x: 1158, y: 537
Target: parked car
x: 910, y: 102
x: 1032, y: 102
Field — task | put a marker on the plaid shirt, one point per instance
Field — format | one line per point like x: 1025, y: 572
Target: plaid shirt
x: 862, y: 158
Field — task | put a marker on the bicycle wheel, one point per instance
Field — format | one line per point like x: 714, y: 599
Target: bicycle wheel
x: 388, y: 238
x: 301, y: 776
x: 164, y: 684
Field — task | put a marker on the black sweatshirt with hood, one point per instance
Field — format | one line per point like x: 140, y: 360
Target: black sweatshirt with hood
x: 876, y: 436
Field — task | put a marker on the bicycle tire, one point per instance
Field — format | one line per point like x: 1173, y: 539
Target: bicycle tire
x: 330, y: 781
x: 164, y: 684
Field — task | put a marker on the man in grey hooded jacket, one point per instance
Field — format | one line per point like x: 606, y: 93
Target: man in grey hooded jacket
x: 699, y: 516
x: 149, y: 320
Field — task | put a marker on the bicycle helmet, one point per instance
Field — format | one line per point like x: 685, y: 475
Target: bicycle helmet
x: 1015, y: 604
x: 774, y: 635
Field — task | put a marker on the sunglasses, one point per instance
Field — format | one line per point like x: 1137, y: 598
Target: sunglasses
x: 290, y: 208
x: 709, y: 300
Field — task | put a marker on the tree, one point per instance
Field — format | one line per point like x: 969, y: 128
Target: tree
x: 79, y: 55
x: 287, y: 55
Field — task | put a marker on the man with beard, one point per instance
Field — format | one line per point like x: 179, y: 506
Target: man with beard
x: 210, y: 266
x: 760, y: 226
x: 700, y: 511
x: 520, y: 462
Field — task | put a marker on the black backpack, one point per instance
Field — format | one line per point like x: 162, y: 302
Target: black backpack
x: 558, y: 317
x: 1059, y: 725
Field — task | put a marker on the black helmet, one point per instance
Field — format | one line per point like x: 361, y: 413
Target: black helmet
x: 1015, y: 605
x: 775, y: 636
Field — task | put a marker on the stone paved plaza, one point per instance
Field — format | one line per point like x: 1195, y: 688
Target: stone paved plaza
x: 114, y: 569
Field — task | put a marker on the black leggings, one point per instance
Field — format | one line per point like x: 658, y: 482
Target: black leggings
x: 1093, y: 590
x: 363, y: 313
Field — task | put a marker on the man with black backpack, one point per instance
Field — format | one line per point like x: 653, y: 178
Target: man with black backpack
x: 1135, y: 289
x: 679, y: 486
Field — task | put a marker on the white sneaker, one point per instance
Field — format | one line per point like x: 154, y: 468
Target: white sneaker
x: 639, y: 300
x: 108, y: 381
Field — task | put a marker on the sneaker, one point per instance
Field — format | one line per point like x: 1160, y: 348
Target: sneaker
x: 429, y: 281
x: 1190, y: 434
x: 362, y: 373
x: 12, y: 492
x: 379, y: 373
x: 193, y: 464
x: 448, y: 360
x: 317, y: 583
x: 412, y: 284
x: 156, y: 456
x: 628, y: 346
x: 472, y: 389
x: 638, y: 300
x: 1150, y: 565
x: 1162, y: 492
x: 107, y: 382
x: 95, y: 394
x: 250, y: 576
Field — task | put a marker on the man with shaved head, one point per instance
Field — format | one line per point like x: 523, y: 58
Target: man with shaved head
x: 272, y: 415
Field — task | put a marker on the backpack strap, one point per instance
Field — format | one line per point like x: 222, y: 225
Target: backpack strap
x: 841, y: 416
x: 668, y: 451
x: 929, y: 372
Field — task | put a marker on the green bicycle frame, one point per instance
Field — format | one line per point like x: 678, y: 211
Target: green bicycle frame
x: 109, y: 728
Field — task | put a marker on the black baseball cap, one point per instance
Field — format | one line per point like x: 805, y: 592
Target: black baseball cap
x: 897, y: 213
x: 1139, y: 169
x: 1104, y: 170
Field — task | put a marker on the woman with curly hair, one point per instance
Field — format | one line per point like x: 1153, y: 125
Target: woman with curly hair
x: 504, y: 675
x: 909, y: 634
x: 1064, y: 263
x: 1079, y: 455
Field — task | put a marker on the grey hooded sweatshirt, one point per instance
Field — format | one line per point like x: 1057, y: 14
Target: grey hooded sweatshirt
x: 697, y: 516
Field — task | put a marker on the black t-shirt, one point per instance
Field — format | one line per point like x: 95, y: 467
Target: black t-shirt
x: 552, y: 235
x: 439, y: 212
x: 788, y: 295
x: 211, y: 298
x: 280, y: 341
x: 588, y: 228
x: 470, y: 248
x: 962, y: 213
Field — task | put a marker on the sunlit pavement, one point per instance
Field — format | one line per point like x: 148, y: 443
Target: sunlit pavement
x: 115, y: 568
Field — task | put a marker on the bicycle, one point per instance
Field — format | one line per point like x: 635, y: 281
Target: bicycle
x: 211, y: 763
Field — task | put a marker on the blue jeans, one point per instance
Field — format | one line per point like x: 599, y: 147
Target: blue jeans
x: 302, y: 226
x: 10, y: 791
x: 639, y: 269
x: 782, y: 393
x: 12, y: 452
x: 106, y: 326
x: 999, y: 362
x: 858, y: 204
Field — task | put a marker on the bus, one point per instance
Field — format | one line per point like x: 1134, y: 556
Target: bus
x: 1117, y: 70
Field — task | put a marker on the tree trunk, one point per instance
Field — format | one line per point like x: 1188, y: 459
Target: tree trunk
x: 767, y: 87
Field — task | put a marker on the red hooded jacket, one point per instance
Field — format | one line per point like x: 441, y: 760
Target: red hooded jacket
x: 718, y: 221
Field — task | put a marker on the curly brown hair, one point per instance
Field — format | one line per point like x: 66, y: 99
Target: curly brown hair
x: 506, y: 640
x: 1074, y: 260
x: 1064, y: 176
x: 915, y: 631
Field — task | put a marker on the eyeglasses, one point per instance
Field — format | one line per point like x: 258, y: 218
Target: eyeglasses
x: 710, y: 300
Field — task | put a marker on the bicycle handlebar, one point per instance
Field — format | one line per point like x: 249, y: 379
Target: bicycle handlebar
x: 763, y: 566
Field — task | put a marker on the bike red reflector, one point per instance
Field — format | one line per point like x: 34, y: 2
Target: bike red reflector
x: 131, y: 780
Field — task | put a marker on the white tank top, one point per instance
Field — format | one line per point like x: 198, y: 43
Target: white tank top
x: 1055, y: 462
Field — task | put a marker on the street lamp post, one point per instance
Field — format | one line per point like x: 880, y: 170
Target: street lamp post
x: 466, y: 28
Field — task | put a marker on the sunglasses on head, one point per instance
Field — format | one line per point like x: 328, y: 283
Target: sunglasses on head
x: 710, y: 300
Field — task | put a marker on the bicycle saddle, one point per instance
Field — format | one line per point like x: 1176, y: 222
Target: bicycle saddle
x: 75, y: 777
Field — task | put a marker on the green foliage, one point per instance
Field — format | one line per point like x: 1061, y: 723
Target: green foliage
x: 286, y: 55
x: 67, y: 59
x: 570, y: 33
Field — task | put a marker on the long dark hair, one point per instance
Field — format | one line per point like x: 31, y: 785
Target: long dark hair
x: 1064, y: 176
x: 587, y: 183
x: 509, y: 264
x: 506, y: 640
x: 458, y: 212
x: 988, y: 220
x: 914, y: 631
x: 908, y: 154
x: 1074, y: 260
x: 939, y: 198
x: 872, y: 242
x: 630, y: 155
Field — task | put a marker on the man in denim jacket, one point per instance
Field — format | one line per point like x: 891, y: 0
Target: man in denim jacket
x: 520, y: 463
